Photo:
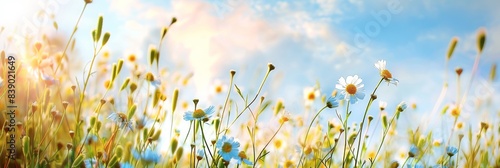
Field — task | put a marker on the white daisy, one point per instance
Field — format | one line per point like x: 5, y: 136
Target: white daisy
x: 384, y: 73
x: 351, y: 88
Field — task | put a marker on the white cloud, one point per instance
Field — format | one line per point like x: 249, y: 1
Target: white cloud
x: 328, y: 7
x: 210, y: 43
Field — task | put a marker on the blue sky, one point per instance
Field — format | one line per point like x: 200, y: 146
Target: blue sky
x: 308, y: 41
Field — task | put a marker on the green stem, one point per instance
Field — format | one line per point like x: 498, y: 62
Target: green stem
x: 71, y: 36
x: 344, y: 156
x: 372, y: 98
x: 307, y: 132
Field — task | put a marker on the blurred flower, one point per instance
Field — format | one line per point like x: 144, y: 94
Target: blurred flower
x: 228, y: 148
x: 1, y: 82
x: 460, y: 125
x: 382, y: 105
x: 455, y: 111
x: 121, y: 120
x: 156, y: 83
x: 48, y: 80
x: 451, y: 151
x: 332, y: 102
x: 243, y: 157
x: 414, y: 166
x: 92, y: 138
x: 126, y: 165
x: 92, y: 163
x: 437, y: 142
x: 351, y: 88
x: 439, y: 166
x: 386, y: 74
x: 310, y: 94
x: 402, y: 106
x: 285, y: 117
x: 199, y: 114
x: 200, y: 154
x: 148, y: 156
x: 413, y: 151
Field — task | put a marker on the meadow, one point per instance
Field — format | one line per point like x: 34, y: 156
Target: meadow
x: 128, y: 113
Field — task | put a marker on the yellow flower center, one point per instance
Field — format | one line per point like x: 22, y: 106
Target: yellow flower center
x: 455, y: 112
x: 289, y: 163
x: 278, y: 143
x: 308, y: 150
x: 218, y: 89
x: 351, y: 89
x: 199, y: 113
x: 227, y: 147
x: 242, y: 155
x: 311, y: 96
x: 386, y: 74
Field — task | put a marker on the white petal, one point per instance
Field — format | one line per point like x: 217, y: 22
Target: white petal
x: 342, y: 81
x: 360, y: 95
x: 349, y: 79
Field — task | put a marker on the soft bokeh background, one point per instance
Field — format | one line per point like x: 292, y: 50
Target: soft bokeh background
x: 310, y: 42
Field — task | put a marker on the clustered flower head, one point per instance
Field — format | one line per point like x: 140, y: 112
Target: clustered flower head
x: 121, y: 120
x: 413, y: 151
x: 228, y: 149
x: 310, y: 94
x: 332, y: 102
x: 351, y: 88
x: 451, y: 151
x: 384, y: 73
x: 148, y: 156
x: 402, y: 106
x: 199, y: 114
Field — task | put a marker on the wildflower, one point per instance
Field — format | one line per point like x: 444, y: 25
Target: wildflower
x: 285, y: 118
x: 156, y: 83
x: 92, y: 163
x: 310, y: 95
x: 402, y: 106
x: 148, y: 156
x: 49, y: 80
x: 351, y: 88
x: 126, y: 165
x: 228, y: 148
x: 278, y: 143
x: 439, y: 166
x: 131, y: 58
x: 414, y: 166
x: 460, y: 125
x: 121, y: 120
x: 199, y: 114
x: 451, y: 151
x: 413, y: 151
x: 243, y: 157
x: 92, y: 138
x: 332, y: 102
x: 200, y: 154
x: 382, y: 105
x: 385, y: 74
x: 437, y: 142
x: 455, y: 112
